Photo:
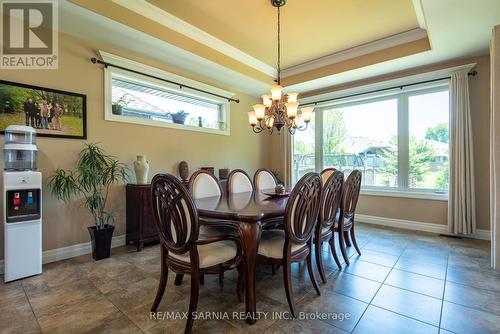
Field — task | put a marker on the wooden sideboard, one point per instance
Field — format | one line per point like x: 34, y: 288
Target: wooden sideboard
x: 140, y: 221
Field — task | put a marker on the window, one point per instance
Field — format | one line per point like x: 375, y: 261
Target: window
x: 138, y: 99
x: 398, y: 141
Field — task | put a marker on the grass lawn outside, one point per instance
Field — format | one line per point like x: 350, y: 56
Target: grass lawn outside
x: 71, y: 125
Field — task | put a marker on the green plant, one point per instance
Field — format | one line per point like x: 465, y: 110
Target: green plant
x: 122, y: 102
x: 94, y: 174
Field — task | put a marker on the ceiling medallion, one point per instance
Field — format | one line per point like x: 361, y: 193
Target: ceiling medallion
x: 279, y: 109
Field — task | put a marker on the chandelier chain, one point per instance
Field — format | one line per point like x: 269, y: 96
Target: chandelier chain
x: 279, y: 49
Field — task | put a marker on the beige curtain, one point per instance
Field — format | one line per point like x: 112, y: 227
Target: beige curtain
x: 495, y: 148
x: 461, y: 202
x: 286, y: 161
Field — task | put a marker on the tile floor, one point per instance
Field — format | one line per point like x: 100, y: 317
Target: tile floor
x: 405, y: 282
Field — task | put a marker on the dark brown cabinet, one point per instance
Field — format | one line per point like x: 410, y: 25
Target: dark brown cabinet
x: 140, y: 222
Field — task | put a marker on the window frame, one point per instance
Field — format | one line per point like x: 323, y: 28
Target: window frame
x: 110, y: 72
x: 402, y: 96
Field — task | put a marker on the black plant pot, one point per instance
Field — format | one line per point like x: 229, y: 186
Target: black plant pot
x: 116, y: 109
x: 101, y: 241
x: 178, y: 119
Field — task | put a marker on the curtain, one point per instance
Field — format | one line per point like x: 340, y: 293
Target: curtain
x: 461, y: 202
x: 495, y: 148
x: 286, y: 161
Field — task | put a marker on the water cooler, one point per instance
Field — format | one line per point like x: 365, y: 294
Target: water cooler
x: 22, y: 202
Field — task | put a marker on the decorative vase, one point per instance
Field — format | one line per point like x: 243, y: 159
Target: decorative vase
x: 141, y: 167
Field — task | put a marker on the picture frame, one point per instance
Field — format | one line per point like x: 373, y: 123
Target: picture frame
x: 53, y: 113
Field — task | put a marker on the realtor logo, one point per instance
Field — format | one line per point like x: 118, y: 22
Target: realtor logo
x: 29, y: 38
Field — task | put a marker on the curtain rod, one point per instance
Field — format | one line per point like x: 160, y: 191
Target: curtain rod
x: 181, y: 85
x: 471, y: 73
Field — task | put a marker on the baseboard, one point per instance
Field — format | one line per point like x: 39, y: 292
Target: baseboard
x: 417, y: 226
x: 63, y: 253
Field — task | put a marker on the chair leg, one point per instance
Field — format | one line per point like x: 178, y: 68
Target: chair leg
x: 193, y: 302
x: 221, y: 278
x: 319, y: 261
x: 273, y: 270
x: 346, y: 239
x: 342, y: 247
x: 353, y: 239
x: 202, y: 279
x: 311, y: 273
x: 287, y: 278
x: 178, y: 279
x: 241, y: 282
x: 162, y: 285
x: 334, y: 251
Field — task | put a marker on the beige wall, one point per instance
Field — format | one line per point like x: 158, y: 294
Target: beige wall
x: 65, y: 224
x: 431, y: 211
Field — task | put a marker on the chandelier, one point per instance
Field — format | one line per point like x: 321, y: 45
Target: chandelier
x: 279, y: 109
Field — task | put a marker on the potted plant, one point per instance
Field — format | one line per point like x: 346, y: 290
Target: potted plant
x: 94, y: 174
x: 179, y: 117
x: 117, y: 106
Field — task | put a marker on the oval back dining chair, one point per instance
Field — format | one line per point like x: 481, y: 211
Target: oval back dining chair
x: 345, y: 224
x: 294, y: 243
x: 238, y: 181
x: 264, y: 179
x: 326, y: 173
x: 182, y: 250
x: 204, y: 184
x: 331, y: 196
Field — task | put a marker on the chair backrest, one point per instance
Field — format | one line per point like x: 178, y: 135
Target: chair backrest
x: 204, y: 184
x: 350, y: 193
x: 326, y: 173
x: 238, y: 182
x: 302, y: 208
x: 174, y: 212
x: 264, y: 179
x: 331, y: 197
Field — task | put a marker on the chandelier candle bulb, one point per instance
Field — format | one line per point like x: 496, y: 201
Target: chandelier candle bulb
x: 270, y: 122
x: 266, y: 100
x: 292, y: 97
x: 276, y: 92
x: 307, y: 114
x: 252, y: 119
x: 291, y: 109
x: 260, y: 111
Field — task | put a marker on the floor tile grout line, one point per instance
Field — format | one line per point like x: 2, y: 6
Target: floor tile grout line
x: 370, y: 303
x: 119, y: 310
x: 31, y: 307
x: 444, y: 292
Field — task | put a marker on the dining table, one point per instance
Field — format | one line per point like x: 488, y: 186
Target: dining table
x: 246, y: 212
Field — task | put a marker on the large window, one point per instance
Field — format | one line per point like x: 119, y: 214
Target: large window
x: 398, y: 141
x: 139, y: 99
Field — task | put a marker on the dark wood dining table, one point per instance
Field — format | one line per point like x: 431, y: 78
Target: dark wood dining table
x: 247, y: 212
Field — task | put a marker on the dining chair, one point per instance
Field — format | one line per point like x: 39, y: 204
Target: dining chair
x: 346, y: 222
x: 182, y: 249
x: 264, y: 179
x: 331, y: 196
x: 238, y: 181
x: 326, y: 173
x: 203, y: 184
x: 294, y: 243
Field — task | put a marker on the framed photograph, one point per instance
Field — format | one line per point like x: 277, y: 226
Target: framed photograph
x: 53, y: 113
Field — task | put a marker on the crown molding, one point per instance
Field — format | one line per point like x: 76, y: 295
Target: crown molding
x: 419, y: 12
x: 357, y: 51
x: 146, y: 9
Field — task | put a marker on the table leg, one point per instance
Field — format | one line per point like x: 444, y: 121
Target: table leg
x: 250, y: 238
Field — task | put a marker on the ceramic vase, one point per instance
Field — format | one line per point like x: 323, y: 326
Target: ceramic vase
x: 141, y: 167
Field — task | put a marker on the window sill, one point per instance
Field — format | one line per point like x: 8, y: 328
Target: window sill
x: 405, y: 194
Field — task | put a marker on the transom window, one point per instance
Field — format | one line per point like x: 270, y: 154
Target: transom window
x: 138, y: 99
x: 398, y: 141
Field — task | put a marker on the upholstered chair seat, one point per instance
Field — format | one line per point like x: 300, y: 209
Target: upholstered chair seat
x: 211, y: 254
x: 272, y: 243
